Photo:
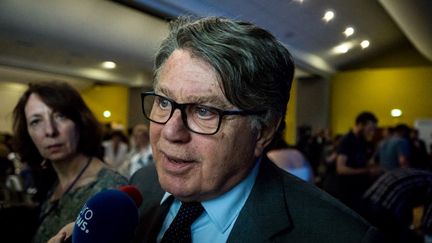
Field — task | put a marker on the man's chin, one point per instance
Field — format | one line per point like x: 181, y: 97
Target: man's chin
x: 178, y: 190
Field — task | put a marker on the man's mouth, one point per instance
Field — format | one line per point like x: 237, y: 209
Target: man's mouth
x: 177, y: 160
x: 176, y: 165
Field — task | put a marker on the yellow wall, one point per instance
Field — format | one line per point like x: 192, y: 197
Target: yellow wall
x: 290, y: 118
x: 379, y: 91
x: 108, y: 97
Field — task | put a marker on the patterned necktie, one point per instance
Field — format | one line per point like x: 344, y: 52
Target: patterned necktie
x: 180, y: 229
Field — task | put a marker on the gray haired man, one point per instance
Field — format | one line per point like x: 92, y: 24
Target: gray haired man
x: 221, y: 89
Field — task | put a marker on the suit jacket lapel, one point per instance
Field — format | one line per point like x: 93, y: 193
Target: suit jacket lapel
x: 152, y: 213
x: 151, y: 222
x: 264, y: 214
x: 160, y: 215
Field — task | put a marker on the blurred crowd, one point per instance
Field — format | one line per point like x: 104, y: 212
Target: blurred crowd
x: 384, y: 174
x: 315, y: 159
x: 390, y: 147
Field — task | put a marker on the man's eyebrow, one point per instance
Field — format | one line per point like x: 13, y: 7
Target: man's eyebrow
x: 212, y: 100
x: 164, y: 91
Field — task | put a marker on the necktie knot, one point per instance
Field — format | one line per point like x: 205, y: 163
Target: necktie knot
x: 180, y: 228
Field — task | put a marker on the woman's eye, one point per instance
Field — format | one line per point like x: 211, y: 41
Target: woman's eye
x: 59, y: 117
x: 34, y: 122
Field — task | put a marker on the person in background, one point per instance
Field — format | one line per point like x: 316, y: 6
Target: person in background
x: 419, y: 155
x: 140, y: 154
x: 395, y: 152
x: 387, y: 133
x: 115, y: 150
x: 289, y: 159
x: 390, y: 201
x: 353, y: 157
x: 11, y: 186
x: 329, y: 178
x: 221, y: 90
x: 430, y: 155
x: 317, y: 143
x: 53, y: 125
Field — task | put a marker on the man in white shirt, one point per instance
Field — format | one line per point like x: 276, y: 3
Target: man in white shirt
x: 141, y: 153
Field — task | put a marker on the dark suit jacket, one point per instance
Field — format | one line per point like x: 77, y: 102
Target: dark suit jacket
x: 280, y: 208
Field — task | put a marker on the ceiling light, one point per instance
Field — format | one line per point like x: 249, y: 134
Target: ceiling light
x: 109, y: 65
x: 342, y: 48
x: 329, y: 15
x: 299, y: 1
x: 396, y: 113
x: 107, y: 114
x: 349, y: 31
x: 365, y: 44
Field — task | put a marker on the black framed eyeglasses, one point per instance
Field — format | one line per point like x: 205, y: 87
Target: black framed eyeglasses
x: 197, y: 118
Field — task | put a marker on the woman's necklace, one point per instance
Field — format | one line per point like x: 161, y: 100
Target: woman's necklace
x: 76, y: 178
x: 54, y: 203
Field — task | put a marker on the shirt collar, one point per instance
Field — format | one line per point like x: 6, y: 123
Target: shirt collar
x: 224, y: 209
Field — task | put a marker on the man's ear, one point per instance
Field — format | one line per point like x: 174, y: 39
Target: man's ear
x: 265, y: 136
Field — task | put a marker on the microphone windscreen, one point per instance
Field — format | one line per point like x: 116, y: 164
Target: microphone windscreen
x: 110, y: 216
x: 134, y: 193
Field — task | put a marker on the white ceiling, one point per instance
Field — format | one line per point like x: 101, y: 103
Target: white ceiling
x: 71, y: 39
x: 298, y: 24
x: 68, y: 39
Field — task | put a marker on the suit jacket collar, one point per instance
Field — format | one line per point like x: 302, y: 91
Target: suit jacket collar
x: 262, y: 216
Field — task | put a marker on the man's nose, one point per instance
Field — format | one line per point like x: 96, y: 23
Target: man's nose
x: 175, y: 130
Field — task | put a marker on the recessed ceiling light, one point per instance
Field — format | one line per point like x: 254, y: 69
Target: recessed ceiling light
x: 107, y: 114
x: 109, y: 65
x: 329, y: 15
x: 365, y: 44
x: 299, y: 1
x: 396, y: 113
x: 349, y: 31
x: 342, y: 48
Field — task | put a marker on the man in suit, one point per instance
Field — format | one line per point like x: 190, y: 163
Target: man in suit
x: 221, y: 90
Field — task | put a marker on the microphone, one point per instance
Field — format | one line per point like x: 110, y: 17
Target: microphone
x: 110, y: 216
x: 134, y: 193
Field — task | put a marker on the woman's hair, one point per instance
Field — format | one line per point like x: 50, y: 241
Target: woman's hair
x: 62, y: 98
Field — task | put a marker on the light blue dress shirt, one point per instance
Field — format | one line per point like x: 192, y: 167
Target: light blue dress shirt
x: 217, y: 221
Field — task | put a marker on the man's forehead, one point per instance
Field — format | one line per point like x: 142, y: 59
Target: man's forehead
x: 186, y: 78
